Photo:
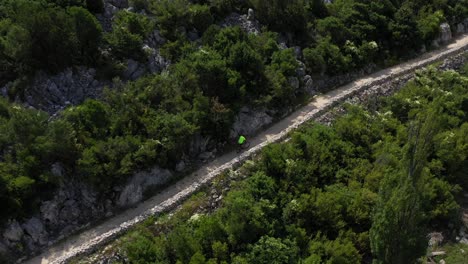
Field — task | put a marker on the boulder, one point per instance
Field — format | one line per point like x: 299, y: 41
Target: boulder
x: 50, y: 211
x: 72, y: 86
x: 249, y: 121
x: 70, y: 212
x: 309, y: 85
x: 133, y: 191
x: 13, y: 232
x: 35, y: 229
x: 250, y: 14
x: 445, y: 33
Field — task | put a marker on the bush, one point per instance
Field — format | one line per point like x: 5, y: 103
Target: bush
x: 200, y: 17
x: 129, y: 31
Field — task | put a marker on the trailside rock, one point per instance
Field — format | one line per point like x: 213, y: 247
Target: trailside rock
x: 133, y: 191
x: 445, y: 34
x: 249, y: 121
x: 35, y: 229
x: 309, y: 85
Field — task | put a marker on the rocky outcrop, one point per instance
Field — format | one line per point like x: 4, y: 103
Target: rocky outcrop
x: 73, y: 207
x: 111, y: 7
x: 308, y: 84
x: 247, y: 22
x: 249, y: 121
x: 445, y: 35
x: 134, y: 190
x: 51, y: 93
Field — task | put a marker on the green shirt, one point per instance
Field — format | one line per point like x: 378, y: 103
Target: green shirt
x: 241, y: 140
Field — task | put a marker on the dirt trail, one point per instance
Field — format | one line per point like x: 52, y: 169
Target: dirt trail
x: 174, y: 194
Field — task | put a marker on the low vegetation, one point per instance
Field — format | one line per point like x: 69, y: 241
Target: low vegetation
x: 369, y: 187
x: 153, y: 120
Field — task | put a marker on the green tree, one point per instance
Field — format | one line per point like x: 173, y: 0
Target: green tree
x: 273, y: 250
x: 88, y: 31
x: 399, y: 209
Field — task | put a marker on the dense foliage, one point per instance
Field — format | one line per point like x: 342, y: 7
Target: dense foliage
x: 153, y: 121
x: 147, y: 122
x: 337, y: 37
x: 368, y: 187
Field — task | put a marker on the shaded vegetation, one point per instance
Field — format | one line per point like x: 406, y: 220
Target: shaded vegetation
x: 368, y: 187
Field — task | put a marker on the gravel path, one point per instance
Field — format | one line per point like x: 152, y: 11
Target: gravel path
x: 173, y: 195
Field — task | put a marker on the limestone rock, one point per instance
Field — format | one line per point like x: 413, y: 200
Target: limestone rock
x: 445, y: 33
x: 133, y: 191
x: 72, y: 86
x: 309, y: 85
x: 249, y: 26
x: 35, y: 229
x: 13, y: 232
x: 50, y: 211
x: 249, y: 121
x: 250, y: 14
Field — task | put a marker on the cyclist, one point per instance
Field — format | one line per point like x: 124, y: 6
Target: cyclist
x: 241, y: 141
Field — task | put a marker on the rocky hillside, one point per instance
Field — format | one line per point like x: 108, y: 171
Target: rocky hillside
x: 160, y: 86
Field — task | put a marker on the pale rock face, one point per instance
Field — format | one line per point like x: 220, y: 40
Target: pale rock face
x: 445, y: 33
x: 50, y: 211
x: 35, y: 229
x: 72, y: 86
x: 133, y: 191
x: 251, y: 26
x: 309, y: 85
x: 249, y: 121
x: 13, y: 232
x: 250, y: 14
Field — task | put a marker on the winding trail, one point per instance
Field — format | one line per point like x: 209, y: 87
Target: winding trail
x: 173, y: 195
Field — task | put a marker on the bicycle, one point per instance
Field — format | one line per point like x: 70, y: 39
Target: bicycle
x: 242, y: 147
